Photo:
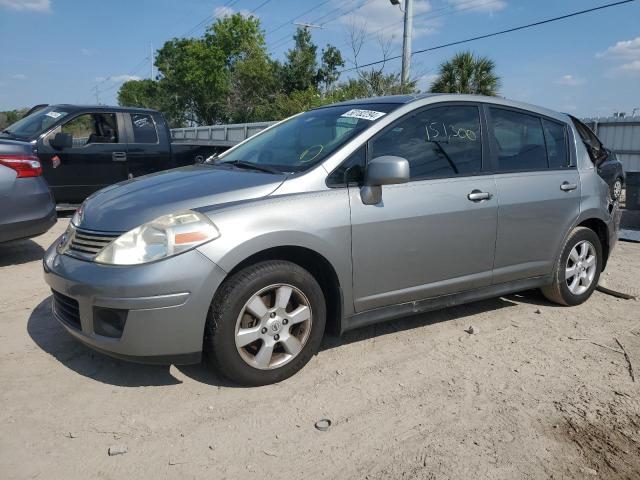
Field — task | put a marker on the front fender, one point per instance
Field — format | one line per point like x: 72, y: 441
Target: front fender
x: 318, y: 221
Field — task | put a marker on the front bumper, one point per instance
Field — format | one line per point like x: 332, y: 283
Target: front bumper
x: 165, y: 304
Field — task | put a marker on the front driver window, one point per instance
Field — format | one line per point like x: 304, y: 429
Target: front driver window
x: 92, y: 128
x: 437, y: 142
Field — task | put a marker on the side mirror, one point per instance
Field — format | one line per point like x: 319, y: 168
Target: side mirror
x: 385, y: 170
x: 61, y: 140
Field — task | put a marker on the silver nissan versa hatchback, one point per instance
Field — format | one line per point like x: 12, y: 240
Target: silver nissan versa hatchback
x: 336, y: 218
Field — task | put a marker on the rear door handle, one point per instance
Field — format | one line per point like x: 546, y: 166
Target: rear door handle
x: 119, y: 156
x: 567, y: 187
x: 478, y: 196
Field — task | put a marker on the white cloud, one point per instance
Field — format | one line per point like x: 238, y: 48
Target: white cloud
x: 489, y: 6
x: 88, y: 52
x: 631, y: 67
x: 425, y: 81
x: 123, y: 78
x: 377, y: 18
x: 570, y: 81
x: 221, y: 12
x: 626, y: 54
x: 19, y: 76
x: 625, y: 50
x: 42, y: 6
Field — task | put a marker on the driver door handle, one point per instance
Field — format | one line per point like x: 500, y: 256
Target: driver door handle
x: 478, y: 196
x: 119, y: 156
x: 567, y: 187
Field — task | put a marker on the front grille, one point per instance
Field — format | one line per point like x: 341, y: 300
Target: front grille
x: 87, y: 244
x: 67, y: 309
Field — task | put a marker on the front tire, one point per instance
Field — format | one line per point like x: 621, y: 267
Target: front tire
x: 578, y: 269
x: 265, y: 323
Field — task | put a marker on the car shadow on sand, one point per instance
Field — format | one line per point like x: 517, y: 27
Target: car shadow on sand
x: 18, y: 252
x: 53, y: 339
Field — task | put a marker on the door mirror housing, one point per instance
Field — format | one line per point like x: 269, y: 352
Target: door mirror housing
x: 385, y: 170
x: 61, y: 141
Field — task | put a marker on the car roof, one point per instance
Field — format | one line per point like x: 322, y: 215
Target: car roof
x: 451, y: 97
x: 102, y: 108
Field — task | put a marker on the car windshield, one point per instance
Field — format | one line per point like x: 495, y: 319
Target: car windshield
x: 36, y: 123
x: 306, y: 139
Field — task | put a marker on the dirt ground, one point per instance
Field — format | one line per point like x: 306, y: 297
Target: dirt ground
x: 527, y: 396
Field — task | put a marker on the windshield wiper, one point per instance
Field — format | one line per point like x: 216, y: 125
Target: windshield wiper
x: 248, y: 166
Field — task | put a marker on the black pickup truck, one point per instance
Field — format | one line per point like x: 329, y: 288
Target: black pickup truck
x: 85, y: 148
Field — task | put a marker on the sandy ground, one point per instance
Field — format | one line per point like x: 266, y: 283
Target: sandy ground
x: 528, y: 396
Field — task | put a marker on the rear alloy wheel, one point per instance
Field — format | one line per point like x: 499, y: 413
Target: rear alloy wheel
x: 616, y: 191
x: 578, y: 270
x: 265, y: 323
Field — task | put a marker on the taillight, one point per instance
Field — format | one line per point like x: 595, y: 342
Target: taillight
x: 24, y: 165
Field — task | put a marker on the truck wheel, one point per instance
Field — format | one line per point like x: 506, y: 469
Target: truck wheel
x: 265, y: 323
x: 578, y: 270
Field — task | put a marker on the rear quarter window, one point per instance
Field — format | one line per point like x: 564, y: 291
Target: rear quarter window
x: 144, y: 128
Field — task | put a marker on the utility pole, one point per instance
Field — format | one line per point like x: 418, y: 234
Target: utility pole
x: 406, y: 38
x: 151, y: 59
x: 406, y: 41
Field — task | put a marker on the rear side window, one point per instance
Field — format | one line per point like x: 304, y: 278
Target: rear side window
x: 591, y: 142
x: 437, y: 142
x: 144, y: 129
x: 519, y: 140
x: 555, y: 135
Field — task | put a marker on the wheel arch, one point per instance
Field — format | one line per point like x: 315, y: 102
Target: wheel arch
x: 316, y: 264
x: 600, y: 228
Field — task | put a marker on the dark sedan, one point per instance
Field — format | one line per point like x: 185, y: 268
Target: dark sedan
x: 27, y: 204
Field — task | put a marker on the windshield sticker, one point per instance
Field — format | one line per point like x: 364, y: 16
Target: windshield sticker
x: 53, y: 114
x: 364, y: 114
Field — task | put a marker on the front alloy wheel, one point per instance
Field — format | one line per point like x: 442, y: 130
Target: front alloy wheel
x: 273, y: 326
x: 265, y: 323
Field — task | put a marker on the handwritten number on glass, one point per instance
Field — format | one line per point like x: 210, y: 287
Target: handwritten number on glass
x: 438, y: 134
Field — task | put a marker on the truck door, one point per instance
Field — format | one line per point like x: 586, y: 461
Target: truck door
x: 98, y: 157
x: 148, y: 147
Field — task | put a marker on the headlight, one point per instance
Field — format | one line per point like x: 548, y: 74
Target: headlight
x: 161, y: 238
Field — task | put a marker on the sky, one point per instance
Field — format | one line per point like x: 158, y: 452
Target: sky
x: 61, y: 51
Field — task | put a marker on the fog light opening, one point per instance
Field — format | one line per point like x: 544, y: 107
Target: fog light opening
x: 109, y: 322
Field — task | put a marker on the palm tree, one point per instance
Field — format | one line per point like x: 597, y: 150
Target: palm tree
x: 466, y: 73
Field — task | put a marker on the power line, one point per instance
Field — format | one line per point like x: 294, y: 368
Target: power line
x: 260, y: 6
x: 290, y: 21
x: 287, y: 38
x: 501, y: 32
x: 444, y: 11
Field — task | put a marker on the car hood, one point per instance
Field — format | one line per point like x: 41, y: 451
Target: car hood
x: 126, y: 205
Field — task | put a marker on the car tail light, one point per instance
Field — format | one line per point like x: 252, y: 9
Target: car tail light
x: 25, y: 165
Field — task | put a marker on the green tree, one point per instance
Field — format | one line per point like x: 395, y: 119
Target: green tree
x: 139, y: 93
x: 300, y: 70
x: 467, y: 73
x: 332, y: 61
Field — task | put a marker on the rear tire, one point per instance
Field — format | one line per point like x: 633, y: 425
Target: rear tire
x: 265, y: 323
x: 578, y: 269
